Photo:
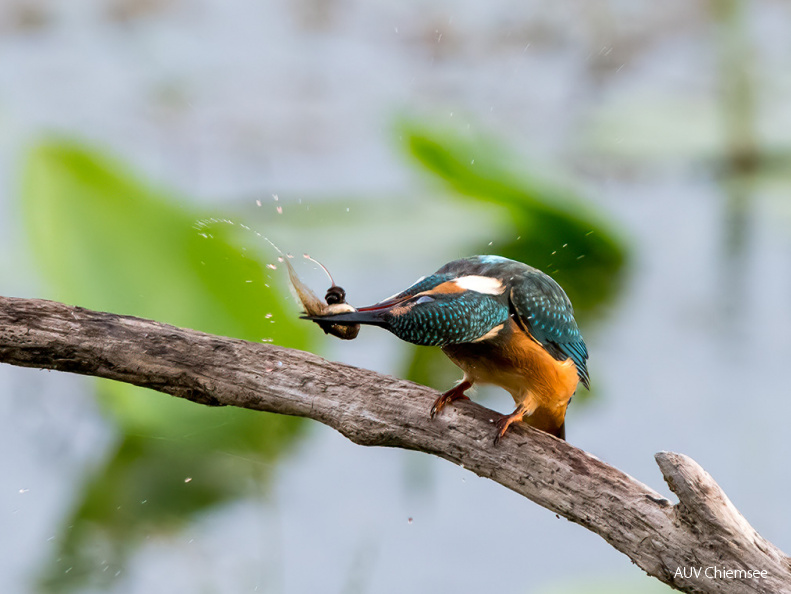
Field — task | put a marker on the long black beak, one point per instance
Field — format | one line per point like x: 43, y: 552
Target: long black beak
x: 371, y: 318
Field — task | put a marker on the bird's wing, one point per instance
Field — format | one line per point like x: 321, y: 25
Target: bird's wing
x: 543, y: 310
x: 436, y: 318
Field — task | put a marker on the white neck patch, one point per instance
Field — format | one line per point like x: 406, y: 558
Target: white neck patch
x: 480, y: 284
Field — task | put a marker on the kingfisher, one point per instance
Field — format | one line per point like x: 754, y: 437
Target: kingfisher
x: 502, y: 322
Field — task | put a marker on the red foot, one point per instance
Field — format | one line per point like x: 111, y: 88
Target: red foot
x: 456, y: 393
x: 504, y: 422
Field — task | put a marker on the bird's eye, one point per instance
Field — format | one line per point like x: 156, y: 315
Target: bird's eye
x: 424, y: 299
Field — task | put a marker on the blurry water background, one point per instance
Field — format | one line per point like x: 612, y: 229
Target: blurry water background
x: 386, y: 138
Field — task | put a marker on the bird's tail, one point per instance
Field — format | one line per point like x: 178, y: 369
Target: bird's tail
x: 561, y: 432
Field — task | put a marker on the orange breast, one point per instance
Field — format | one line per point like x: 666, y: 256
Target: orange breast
x: 548, y: 378
x: 514, y: 361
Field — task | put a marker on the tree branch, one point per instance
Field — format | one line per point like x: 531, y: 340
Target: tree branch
x: 670, y: 542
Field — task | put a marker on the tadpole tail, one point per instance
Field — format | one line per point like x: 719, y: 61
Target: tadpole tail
x: 312, y: 304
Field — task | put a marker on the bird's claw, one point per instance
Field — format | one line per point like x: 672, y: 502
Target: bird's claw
x: 503, y: 423
x: 456, y: 393
x: 440, y: 403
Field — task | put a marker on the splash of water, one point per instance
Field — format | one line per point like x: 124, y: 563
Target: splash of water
x: 202, y: 226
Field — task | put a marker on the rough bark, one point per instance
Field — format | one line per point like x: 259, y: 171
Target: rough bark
x: 703, y: 530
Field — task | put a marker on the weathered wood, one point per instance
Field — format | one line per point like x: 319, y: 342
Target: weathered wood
x: 703, y: 531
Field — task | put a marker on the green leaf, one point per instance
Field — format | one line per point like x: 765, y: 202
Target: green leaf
x: 547, y: 226
x: 104, y: 239
x: 107, y: 241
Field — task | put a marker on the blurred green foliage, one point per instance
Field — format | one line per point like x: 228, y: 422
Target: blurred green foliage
x: 546, y: 226
x: 108, y: 241
x: 555, y: 230
x: 104, y: 239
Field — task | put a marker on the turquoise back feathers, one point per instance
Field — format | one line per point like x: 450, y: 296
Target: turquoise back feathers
x: 448, y: 319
